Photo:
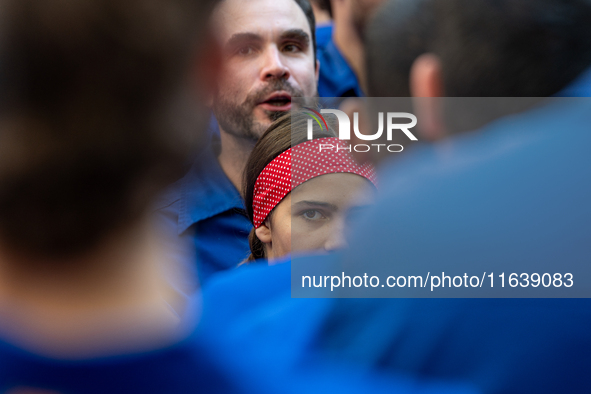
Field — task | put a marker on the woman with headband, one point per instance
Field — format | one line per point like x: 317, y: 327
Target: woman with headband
x: 298, y: 192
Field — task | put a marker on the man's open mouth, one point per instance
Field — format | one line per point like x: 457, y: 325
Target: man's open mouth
x: 277, y: 102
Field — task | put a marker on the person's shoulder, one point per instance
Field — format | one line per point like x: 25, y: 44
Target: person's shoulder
x: 261, y: 280
x: 258, y: 289
x: 183, y: 367
x: 249, y: 282
x: 472, y: 340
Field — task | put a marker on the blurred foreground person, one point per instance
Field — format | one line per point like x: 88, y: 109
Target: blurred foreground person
x: 515, y: 191
x: 450, y: 48
x: 91, y: 127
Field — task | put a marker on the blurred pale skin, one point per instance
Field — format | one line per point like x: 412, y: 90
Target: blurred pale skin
x: 313, y: 216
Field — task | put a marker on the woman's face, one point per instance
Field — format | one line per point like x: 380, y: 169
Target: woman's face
x: 313, y: 216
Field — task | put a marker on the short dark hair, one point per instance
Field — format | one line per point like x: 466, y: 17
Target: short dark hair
x: 86, y: 140
x: 488, y: 48
x: 288, y: 130
x: 309, y: 12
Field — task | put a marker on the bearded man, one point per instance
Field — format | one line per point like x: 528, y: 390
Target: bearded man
x: 267, y: 57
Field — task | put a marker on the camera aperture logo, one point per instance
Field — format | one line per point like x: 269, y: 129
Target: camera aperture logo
x: 345, y: 129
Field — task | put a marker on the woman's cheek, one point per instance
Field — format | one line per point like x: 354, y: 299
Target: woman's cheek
x: 312, y: 238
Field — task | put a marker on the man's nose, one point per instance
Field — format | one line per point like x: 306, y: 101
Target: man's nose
x: 274, y: 67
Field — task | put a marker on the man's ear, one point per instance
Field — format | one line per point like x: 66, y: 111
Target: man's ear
x: 264, y: 233
x: 425, y: 76
x: 426, y: 86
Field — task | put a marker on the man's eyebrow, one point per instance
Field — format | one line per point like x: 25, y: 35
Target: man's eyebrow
x: 311, y: 204
x: 296, y: 34
x: 240, y: 38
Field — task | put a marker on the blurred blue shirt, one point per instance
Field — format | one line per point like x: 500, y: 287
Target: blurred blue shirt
x: 251, y: 323
x: 323, y: 34
x: 183, y: 367
x: 518, y: 190
x: 336, y: 78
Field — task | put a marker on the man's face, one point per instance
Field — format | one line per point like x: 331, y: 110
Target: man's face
x: 268, y: 59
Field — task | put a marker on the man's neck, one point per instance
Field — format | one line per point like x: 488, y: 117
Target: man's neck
x: 233, y: 157
x: 107, y: 300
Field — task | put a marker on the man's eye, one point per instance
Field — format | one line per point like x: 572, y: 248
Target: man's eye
x: 291, y: 48
x: 312, y: 214
x: 245, y: 51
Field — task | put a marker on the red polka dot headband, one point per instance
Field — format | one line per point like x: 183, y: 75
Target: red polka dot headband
x: 299, y: 164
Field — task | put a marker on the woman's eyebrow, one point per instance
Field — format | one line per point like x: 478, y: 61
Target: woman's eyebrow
x: 310, y: 203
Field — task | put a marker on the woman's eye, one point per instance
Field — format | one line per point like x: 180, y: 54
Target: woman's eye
x: 313, y: 214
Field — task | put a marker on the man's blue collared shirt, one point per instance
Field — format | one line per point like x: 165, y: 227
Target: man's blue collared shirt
x: 206, y: 212
x: 336, y: 79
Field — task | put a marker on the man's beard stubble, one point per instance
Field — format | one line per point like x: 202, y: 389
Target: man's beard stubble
x: 238, y: 119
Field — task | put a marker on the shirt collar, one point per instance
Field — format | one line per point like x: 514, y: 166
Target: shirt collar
x: 206, y: 191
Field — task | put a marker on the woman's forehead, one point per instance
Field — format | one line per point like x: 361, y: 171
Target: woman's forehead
x: 335, y: 188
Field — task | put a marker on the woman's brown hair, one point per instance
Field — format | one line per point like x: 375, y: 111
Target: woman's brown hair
x: 287, y: 131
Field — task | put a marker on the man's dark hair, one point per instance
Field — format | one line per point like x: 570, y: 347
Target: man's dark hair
x: 487, y: 48
x: 86, y: 137
x: 309, y: 12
